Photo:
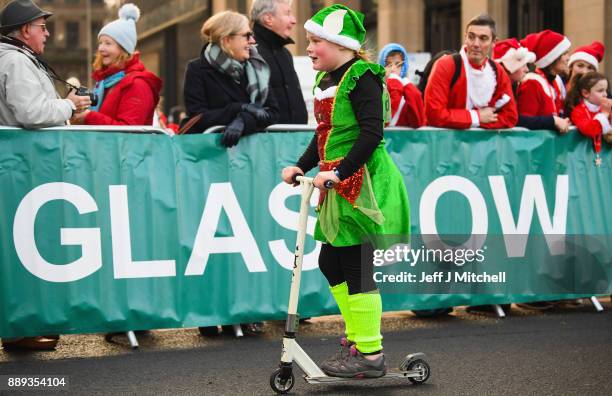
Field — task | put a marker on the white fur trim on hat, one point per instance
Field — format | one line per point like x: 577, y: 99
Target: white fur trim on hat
x: 318, y: 30
x: 554, y: 53
x: 583, y: 56
x: 515, y: 58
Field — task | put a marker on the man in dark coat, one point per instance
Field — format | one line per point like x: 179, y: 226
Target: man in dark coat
x: 272, y: 24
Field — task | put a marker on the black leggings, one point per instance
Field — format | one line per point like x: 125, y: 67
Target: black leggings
x: 350, y: 264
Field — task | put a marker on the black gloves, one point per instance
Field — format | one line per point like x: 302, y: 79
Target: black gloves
x: 260, y: 113
x: 233, y: 132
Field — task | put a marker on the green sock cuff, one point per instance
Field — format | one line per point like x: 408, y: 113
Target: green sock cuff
x: 366, y: 312
x: 340, y: 293
x: 341, y: 288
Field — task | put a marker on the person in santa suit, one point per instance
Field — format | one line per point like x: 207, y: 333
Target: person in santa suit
x: 407, y: 107
x: 541, y: 92
x: 590, y: 108
x: 514, y: 59
x: 585, y: 59
x: 481, y: 96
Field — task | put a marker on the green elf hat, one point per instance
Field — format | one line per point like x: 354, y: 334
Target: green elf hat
x: 338, y: 24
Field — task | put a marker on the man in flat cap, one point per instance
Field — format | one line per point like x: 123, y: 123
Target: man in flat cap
x: 28, y: 98
x: 27, y: 95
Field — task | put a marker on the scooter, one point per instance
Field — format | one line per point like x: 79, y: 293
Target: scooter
x: 414, y: 367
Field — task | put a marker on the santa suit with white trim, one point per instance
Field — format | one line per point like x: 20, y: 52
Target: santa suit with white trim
x: 477, y: 87
x: 591, y: 122
x: 536, y: 95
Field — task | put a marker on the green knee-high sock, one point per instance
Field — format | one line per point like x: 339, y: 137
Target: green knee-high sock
x: 366, y: 312
x: 340, y: 293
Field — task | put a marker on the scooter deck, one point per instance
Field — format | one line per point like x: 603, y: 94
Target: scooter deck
x: 391, y: 374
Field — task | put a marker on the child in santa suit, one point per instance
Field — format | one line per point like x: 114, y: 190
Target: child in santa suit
x: 542, y: 93
x: 585, y: 59
x: 590, y: 109
x: 406, y: 102
x: 514, y: 59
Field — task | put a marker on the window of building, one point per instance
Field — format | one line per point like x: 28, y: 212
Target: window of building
x: 95, y: 29
x: 315, y: 6
x: 72, y: 35
x: 370, y: 9
x: 530, y: 16
x: 51, y: 28
x: 442, y: 25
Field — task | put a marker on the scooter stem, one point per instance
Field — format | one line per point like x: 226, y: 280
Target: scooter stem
x: 307, y: 189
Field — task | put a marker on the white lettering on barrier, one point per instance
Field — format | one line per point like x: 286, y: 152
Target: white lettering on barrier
x: 516, y: 233
x: 123, y: 265
x: 288, y: 219
x: 221, y: 196
x: 88, y: 238
x: 478, y: 207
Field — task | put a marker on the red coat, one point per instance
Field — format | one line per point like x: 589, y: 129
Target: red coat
x: 591, y: 123
x: 132, y: 101
x: 449, y: 109
x: 535, y: 96
x: 405, y: 95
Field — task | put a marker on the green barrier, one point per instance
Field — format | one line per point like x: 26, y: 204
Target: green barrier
x: 106, y: 231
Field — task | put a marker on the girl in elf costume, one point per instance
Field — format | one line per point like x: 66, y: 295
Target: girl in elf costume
x: 369, y: 197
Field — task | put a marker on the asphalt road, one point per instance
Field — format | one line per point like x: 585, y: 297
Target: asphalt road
x: 567, y: 353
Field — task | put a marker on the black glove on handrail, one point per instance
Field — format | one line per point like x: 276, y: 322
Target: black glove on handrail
x: 260, y: 113
x: 233, y: 132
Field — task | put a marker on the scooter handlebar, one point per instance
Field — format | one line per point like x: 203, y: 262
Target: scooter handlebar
x: 329, y: 184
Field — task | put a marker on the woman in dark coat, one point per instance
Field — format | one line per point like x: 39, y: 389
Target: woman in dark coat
x: 229, y: 84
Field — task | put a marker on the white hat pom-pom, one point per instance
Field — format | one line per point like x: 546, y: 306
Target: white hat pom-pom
x: 129, y: 11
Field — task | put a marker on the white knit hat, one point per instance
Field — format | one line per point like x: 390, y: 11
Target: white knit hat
x: 123, y: 30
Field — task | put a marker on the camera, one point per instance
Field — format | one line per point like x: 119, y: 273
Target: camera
x: 83, y: 91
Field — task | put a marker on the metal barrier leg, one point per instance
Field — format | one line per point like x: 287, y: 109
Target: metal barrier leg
x: 132, y: 338
x: 596, y: 304
x: 499, y: 311
x: 238, y: 330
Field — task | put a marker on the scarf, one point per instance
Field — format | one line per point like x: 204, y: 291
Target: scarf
x: 481, y: 84
x: 256, y: 68
x: 103, y: 85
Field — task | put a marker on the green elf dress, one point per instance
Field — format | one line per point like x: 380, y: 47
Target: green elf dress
x: 373, y: 201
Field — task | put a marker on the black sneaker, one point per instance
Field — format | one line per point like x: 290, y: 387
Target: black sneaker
x: 343, y: 352
x: 358, y: 366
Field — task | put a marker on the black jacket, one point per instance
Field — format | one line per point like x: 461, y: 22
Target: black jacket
x: 283, y: 80
x: 219, y: 98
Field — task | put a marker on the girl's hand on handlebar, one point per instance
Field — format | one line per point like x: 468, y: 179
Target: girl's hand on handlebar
x: 289, y: 172
x: 322, y: 177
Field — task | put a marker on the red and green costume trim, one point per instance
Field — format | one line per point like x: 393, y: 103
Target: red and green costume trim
x: 372, y: 201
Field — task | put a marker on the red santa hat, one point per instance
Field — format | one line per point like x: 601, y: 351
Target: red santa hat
x: 592, y: 54
x: 512, y: 55
x: 547, y: 46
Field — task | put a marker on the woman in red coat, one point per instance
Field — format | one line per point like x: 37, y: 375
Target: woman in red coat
x: 127, y: 92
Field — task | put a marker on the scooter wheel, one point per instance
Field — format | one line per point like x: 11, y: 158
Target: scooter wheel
x: 422, y: 366
x: 280, y: 385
